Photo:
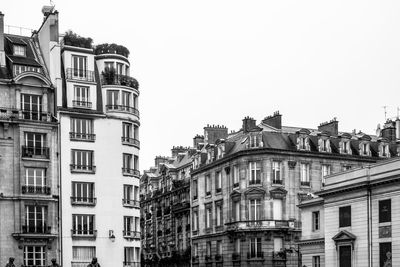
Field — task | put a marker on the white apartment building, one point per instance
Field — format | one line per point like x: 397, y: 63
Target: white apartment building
x: 97, y: 104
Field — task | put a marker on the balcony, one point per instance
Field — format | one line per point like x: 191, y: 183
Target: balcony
x: 43, y: 229
x: 16, y: 114
x: 131, y: 234
x: 83, y: 201
x: 130, y: 141
x: 35, y: 152
x: 89, y: 137
x: 77, y: 168
x: 277, y: 181
x: 130, y: 172
x: 117, y: 79
x: 80, y: 75
x: 259, y: 255
x: 257, y: 225
x: 80, y: 263
x: 253, y: 182
x: 89, y: 233
x: 81, y: 104
x: 130, y: 203
x: 122, y: 108
x: 34, y: 189
x: 131, y: 264
x: 35, y: 232
x: 305, y: 183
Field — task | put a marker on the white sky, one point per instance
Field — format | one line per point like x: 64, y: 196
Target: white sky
x: 215, y: 62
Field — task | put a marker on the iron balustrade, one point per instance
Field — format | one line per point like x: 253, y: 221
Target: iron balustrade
x: 81, y: 104
x: 80, y: 263
x: 254, y: 225
x: 118, y: 79
x: 35, y: 151
x: 131, y: 203
x: 83, y: 232
x: 83, y: 168
x: 130, y: 234
x: 258, y: 255
x: 131, y: 264
x: 35, y: 189
x: 123, y: 108
x: 80, y: 75
x: 277, y: 181
x: 130, y: 141
x: 17, y: 114
x: 38, y: 229
x: 82, y: 136
x: 88, y: 201
x: 305, y: 183
x: 130, y: 172
x: 256, y: 181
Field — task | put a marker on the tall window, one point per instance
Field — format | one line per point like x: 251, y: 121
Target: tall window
x: 79, y: 65
x: 345, y: 256
x: 278, y: 244
x: 128, y: 225
x: 127, y: 132
x: 34, y: 256
x: 208, y: 217
x: 277, y: 205
x: 83, y: 192
x: 112, y: 99
x: 19, y: 50
x: 276, y: 172
x: 345, y: 216
x: 109, y: 65
x: 316, y: 261
x: 195, y: 226
x: 194, y: 189
x: 31, y: 106
x: 127, y: 193
x: 208, y: 248
x: 129, y: 256
x: 81, y: 129
x: 82, y: 254
x: 83, y: 224
x: 219, y: 214
x: 255, y: 172
x: 81, y: 97
x: 136, y: 162
x: 255, y: 140
x: 35, y: 142
x: 218, y: 182
x: 208, y: 184
x: 236, y: 210
x: 35, y: 177
x: 35, y: 219
x: 255, y: 248
x: 315, y: 220
x: 326, y: 170
x: 127, y: 163
x: 235, y: 176
x: 126, y: 101
x: 345, y: 147
x: 385, y: 211
x: 304, y: 174
x: 237, y: 245
x: 120, y: 68
x: 255, y: 209
x: 219, y: 248
x: 82, y: 160
x: 385, y: 254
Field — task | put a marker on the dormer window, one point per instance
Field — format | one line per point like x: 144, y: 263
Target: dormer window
x: 221, y: 151
x: 345, y: 147
x: 364, y: 149
x: 302, y: 143
x: 210, y: 156
x: 255, y: 140
x: 19, y: 50
x: 324, y: 145
x: 384, y: 150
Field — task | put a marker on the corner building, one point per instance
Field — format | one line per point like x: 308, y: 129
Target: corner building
x: 99, y: 123
x: 246, y: 185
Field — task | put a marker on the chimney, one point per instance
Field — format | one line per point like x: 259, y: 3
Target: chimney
x: 159, y: 159
x: 398, y: 128
x: 214, y: 132
x: 197, y: 140
x: 47, y: 10
x: 177, y: 150
x: 274, y: 120
x: 389, y: 133
x: 332, y: 127
x: 2, y: 53
x: 248, y: 124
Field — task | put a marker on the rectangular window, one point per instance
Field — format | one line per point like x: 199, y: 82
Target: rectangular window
x: 208, y: 184
x: 35, y: 219
x: 83, y: 225
x: 345, y: 216
x: 237, y: 245
x: 278, y: 244
x: 112, y: 99
x: 304, y: 174
x: 31, y: 106
x: 19, y: 50
x: 385, y: 211
x: 255, y: 209
x: 208, y: 217
x: 126, y: 101
x: 277, y: 205
x: 315, y: 221
x: 34, y: 256
x: 128, y: 225
x: 255, y: 172
x: 316, y: 261
x: 120, y: 69
x: 136, y: 162
x: 79, y: 65
x: 276, y: 172
x: 385, y: 254
x: 196, y: 250
x: 81, y: 129
x: 109, y: 65
x: 127, y: 163
x: 195, y: 220
x: 82, y: 160
x: 236, y: 210
x: 127, y: 193
x: 127, y: 133
x: 346, y: 147
x: 208, y: 248
x: 219, y: 247
x: 218, y: 182
x: 345, y: 256
x: 235, y: 176
x: 35, y: 177
x: 219, y: 214
x: 35, y: 144
x: 81, y: 97
x: 326, y: 170
x: 129, y: 256
x: 254, y: 140
x: 83, y: 192
x: 255, y: 248
x: 82, y: 255
x: 195, y: 189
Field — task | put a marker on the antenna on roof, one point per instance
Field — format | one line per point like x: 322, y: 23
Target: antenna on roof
x: 384, y: 108
x: 398, y: 111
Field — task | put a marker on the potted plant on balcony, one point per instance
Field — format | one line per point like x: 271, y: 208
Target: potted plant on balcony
x: 108, y: 75
x: 73, y: 39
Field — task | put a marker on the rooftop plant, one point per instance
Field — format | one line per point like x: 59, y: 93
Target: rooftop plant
x: 73, y: 39
x: 111, y: 49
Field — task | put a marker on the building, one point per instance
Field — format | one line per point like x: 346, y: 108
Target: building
x: 29, y: 196
x: 97, y: 103
x: 358, y: 218
x: 246, y: 186
x: 165, y: 210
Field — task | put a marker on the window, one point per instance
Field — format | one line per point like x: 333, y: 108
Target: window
x: 195, y: 220
x: 83, y: 225
x: 237, y: 245
x: 128, y: 226
x: 303, y: 143
x: 82, y: 129
x: 81, y: 97
x: 130, y: 134
x: 324, y: 145
x: 120, y: 69
x: 255, y: 209
x: 218, y: 182
x: 34, y: 256
x: 315, y: 221
x: 219, y: 249
x: 345, y: 216
x: 127, y: 167
x: 384, y: 150
x: 19, y: 50
x: 235, y: 176
x: 316, y: 261
x: 277, y: 205
x: 345, y: 147
x: 34, y: 145
x: 20, y: 69
x: 255, y: 248
x: 326, y: 170
x: 278, y: 244
x: 129, y: 256
x: 208, y: 248
x: 82, y: 255
x: 276, y: 172
x: 365, y: 149
x: 385, y: 211
x: 210, y: 155
x: 236, y: 210
x: 126, y: 101
x: 195, y: 189
x: 208, y: 217
x: 136, y: 163
x: 82, y: 160
x: 35, y: 219
x: 79, y: 65
x: 345, y: 256
x: 255, y: 172
x: 83, y: 193
x: 112, y: 99
x: 31, y: 106
x: 109, y: 65
x: 196, y: 250
x: 35, y: 179
x: 219, y: 214
x: 128, y: 193
x: 385, y: 254
x: 208, y: 184
x: 254, y: 140
x: 346, y: 167
x: 304, y: 174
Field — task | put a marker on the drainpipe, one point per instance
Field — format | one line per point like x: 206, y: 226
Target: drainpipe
x: 369, y: 218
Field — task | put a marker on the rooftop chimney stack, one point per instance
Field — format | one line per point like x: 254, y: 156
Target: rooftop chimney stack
x: 389, y: 133
x: 2, y: 53
x: 176, y: 150
x: 332, y: 127
x: 248, y: 124
x: 197, y: 140
x: 274, y: 121
x: 214, y: 132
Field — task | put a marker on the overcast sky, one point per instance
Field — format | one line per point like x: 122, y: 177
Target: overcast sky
x: 215, y: 62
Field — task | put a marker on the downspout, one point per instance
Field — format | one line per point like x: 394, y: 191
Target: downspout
x: 369, y: 218
x: 60, y: 214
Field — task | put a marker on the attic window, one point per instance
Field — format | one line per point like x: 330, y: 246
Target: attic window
x: 384, y: 151
x: 345, y: 147
x: 255, y: 140
x: 19, y: 50
x: 324, y: 145
x: 302, y: 143
x: 365, y: 149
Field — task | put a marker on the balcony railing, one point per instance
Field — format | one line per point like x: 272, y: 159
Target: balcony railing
x: 255, y: 255
x: 235, y: 256
x: 81, y: 104
x: 82, y: 136
x: 35, y: 189
x: 130, y: 234
x: 83, y: 168
x: 16, y: 114
x: 84, y: 233
x: 257, y: 181
x: 131, y: 203
x: 131, y: 264
x: 130, y: 141
x: 123, y: 108
x: 84, y: 201
x: 130, y: 172
x: 35, y: 152
x: 38, y: 229
x: 255, y: 225
x: 218, y: 190
x: 117, y: 79
x: 277, y: 181
x: 208, y: 258
x: 80, y: 263
x: 80, y: 75
x: 305, y: 183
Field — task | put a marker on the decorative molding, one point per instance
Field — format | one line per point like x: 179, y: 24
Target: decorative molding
x: 292, y: 164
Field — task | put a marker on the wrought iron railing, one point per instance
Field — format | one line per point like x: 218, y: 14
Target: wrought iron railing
x: 80, y: 74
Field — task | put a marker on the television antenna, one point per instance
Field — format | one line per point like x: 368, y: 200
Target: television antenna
x: 384, y: 108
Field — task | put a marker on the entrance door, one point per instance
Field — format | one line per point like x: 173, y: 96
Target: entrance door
x: 345, y: 256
